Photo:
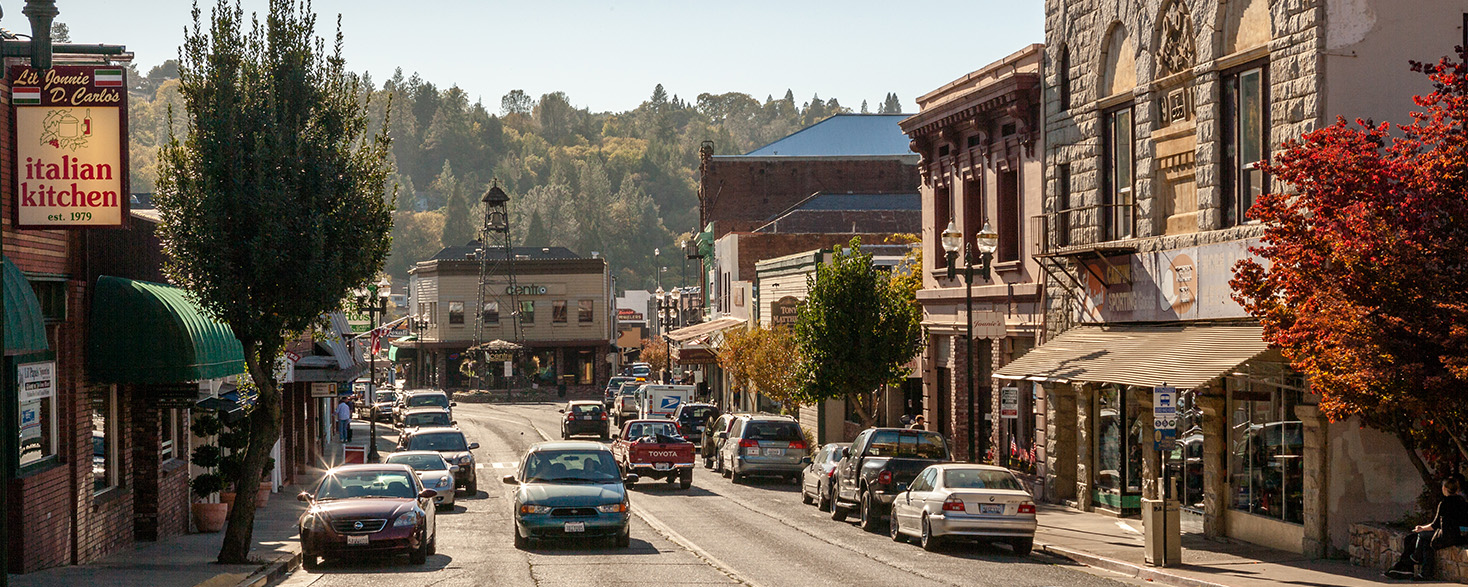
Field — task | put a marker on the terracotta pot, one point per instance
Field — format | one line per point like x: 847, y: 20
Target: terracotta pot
x: 210, y: 517
x: 263, y: 494
x: 226, y: 498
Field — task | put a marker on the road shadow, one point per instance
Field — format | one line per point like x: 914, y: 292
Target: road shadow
x: 378, y: 563
x: 779, y: 484
x: 670, y: 489
x: 588, y: 546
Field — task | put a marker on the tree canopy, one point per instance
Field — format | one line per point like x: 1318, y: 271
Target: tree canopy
x: 1359, y: 278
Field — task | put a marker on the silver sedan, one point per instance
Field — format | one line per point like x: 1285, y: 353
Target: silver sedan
x: 433, y: 471
x: 978, y: 501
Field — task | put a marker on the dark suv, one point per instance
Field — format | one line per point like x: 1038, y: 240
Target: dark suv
x: 584, y: 417
x: 692, y: 418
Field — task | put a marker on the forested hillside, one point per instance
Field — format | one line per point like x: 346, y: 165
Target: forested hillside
x: 620, y: 184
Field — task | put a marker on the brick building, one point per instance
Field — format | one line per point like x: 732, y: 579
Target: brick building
x: 1155, y: 115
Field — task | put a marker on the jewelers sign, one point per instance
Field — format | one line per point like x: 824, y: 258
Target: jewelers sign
x: 70, y: 146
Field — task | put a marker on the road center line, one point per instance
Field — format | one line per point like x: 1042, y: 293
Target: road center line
x: 673, y: 536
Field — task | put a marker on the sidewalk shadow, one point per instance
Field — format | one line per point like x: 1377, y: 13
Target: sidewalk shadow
x: 383, y: 564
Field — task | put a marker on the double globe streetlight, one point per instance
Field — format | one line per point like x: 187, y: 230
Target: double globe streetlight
x: 667, y: 319
x: 986, y: 241
x: 373, y: 299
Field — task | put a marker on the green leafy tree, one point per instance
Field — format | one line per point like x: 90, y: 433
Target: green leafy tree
x: 855, y: 333
x: 271, y: 200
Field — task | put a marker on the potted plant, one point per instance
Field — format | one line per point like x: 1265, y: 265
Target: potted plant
x: 262, y: 495
x: 234, y: 438
x: 208, y: 516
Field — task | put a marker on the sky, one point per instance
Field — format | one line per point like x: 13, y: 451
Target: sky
x: 608, y: 56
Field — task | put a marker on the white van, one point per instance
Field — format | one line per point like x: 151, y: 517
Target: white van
x: 662, y: 401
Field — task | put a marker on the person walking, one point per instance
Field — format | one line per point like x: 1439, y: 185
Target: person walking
x: 344, y: 420
x: 1447, y: 528
x: 919, y: 423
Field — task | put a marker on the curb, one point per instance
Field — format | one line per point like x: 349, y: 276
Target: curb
x: 1155, y: 575
x: 273, y: 571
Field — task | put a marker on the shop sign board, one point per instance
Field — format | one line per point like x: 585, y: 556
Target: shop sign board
x: 1189, y: 283
x: 70, y: 146
x: 37, y: 380
x: 323, y: 390
x: 1164, y: 418
x: 1009, y: 403
x: 988, y: 324
x: 785, y: 311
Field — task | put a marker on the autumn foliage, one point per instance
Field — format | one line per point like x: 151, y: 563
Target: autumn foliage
x: 1362, y: 277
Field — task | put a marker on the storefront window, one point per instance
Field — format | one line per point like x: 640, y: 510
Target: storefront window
x: 584, y: 313
x: 491, y: 312
x: 105, y: 438
x: 167, y: 430
x: 558, y: 311
x: 1185, y: 462
x: 1266, y: 451
x: 1119, y: 437
x: 456, y: 312
x: 527, y: 311
x: 543, y: 366
x: 37, y: 411
x: 585, y: 366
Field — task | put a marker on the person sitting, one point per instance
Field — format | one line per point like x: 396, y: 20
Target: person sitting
x: 1446, y: 529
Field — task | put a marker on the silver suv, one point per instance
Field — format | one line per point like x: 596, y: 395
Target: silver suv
x: 763, y: 444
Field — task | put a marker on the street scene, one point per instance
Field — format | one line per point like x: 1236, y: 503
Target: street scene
x: 1065, y: 292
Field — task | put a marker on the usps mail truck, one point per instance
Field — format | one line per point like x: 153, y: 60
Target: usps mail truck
x: 662, y: 401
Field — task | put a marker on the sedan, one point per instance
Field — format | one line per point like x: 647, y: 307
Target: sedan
x: 962, y: 500
x: 815, y: 480
x: 450, y: 443
x: 569, y: 490
x: 433, y: 471
x: 361, y: 510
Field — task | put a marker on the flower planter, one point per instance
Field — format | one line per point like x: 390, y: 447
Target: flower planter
x: 210, y: 517
x: 226, y: 497
x: 263, y: 494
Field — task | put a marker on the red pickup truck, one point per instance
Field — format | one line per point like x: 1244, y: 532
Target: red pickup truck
x: 653, y: 449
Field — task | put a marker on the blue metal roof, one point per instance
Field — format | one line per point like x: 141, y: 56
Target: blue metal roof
x: 864, y: 202
x: 843, y: 135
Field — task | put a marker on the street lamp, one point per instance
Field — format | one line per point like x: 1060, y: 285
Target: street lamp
x: 667, y: 303
x: 986, y: 241
x: 373, y: 300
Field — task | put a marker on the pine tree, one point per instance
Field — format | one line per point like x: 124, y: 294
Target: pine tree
x: 864, y: 107
x: 458, y: 224
x: 536, y: 234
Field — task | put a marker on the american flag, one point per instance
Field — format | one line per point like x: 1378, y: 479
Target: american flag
x: 376, y: 341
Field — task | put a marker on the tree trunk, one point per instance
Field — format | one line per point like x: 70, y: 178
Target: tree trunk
x: 264, y: 431
x: 866, y: 407
x: 1406, y: 439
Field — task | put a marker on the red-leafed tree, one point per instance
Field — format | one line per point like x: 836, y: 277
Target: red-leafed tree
x: 1362, y: 277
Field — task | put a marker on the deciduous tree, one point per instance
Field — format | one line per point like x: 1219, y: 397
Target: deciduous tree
x: 271, y: 200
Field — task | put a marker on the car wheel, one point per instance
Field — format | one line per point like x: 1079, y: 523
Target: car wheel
x: 1022, y: 546
x: 521, y: 542
x: 805, y: 498
x: 433, y: 544
x: 708, y: 462
x: 604, y: 436
x: 419, y: 555
x: 624, y: 539
x: 686, y: 479
x: 824, y: 495
x: 310, y: 561
x: 472, y: 487
x: 868, y: 514
x: 893, y: 529
x: 929, y: 541
x: 838, y: 512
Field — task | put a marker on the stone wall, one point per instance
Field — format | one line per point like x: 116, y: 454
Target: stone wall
x: 1378, y: 546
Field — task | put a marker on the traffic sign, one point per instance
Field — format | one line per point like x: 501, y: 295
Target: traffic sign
x: 1164, y: 417
x: 1009, y: 403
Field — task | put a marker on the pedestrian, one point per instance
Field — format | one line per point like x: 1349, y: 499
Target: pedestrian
x: 1447, y: 528
x: 344, y: 420
x: 919, y: 423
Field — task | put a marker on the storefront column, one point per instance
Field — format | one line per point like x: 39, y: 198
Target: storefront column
x: 1215, y: 463
x: 1316, y: 542
x: 440, y: 369
x: 958, y: 432
x: 1060, y: 443
x: 1151, y: 460
x: 1085, y: 457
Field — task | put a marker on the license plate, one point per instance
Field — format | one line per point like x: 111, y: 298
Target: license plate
x: 991, y: 508
x: 354, y: 540
x: 774, y: 452
x: 575, y: 526
x: 662, y: 466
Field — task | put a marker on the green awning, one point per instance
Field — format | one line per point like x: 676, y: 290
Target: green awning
x: 25, y: 326
x: 395, y: 352
x: 152, y: 333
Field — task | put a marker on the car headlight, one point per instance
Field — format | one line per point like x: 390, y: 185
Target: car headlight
x: 406, y: 520
x: 310, y: 522
x: 443, y: 482
x: 613, y: 508
x: 464, y: 460
x: 535, y: 509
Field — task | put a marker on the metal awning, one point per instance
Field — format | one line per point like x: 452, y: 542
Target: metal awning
x: 1182, y: 356
x: 145, y: 332
x: 25, y: 326
x: 702, y: 328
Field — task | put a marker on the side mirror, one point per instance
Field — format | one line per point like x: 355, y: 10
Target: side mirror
x: 561, y: 411
x: 510, y: 480
x: 427, y: 494
x: 303, y: 496
x: 805, y: 460
x: 630, y: 478
x: 615, y: 435
x: 721, y: 435
x: 453, y: 422
x: 453, y: 404
x: 473, y: 446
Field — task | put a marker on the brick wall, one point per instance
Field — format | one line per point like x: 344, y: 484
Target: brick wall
x: 742, y: 194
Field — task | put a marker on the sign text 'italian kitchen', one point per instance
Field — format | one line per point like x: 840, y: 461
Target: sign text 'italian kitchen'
x: 70, y: 146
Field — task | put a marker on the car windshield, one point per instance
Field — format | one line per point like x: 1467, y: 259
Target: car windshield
x: 616, y: 382
x: 437, y: 441
x: 420, y: 462
x: 784, y: 431
x: 586, y: 409
x: 980, y: 479
x: 628, y: 389
x: 429, y: 419
x: 641, y: 429
x: 698, y: 414
x: 571, y: 466
x: 390, y: 484
x: 432, y: 399
x: 907, y: 444
x: 386, y: 397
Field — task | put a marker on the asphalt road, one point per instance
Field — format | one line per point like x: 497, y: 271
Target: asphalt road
x: 757, y: 534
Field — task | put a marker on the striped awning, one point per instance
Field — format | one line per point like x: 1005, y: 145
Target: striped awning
x: 1183, y: 356
x: 691, y: 332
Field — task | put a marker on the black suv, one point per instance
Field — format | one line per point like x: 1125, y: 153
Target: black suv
x: 692, y: 418
x: 584, y: 417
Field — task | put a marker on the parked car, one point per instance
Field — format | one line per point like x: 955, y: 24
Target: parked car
x: 641, y: 371
x: 450, y: 443
x: 763, y: 444
x: 569, y: 489
x: 815, y: 480
x: 381, y: 409
x: 610, y: 393
x: 653, y: 449
x: 712, y: 441
x: 693, y: 418
x: 428, y: 416
x: 417, y: 399
x: 880, y: 465
x: 657, y: 400
x: 433, y: 471
x: 584, y: 417
x: 956, y: 499
x: 368, y: 510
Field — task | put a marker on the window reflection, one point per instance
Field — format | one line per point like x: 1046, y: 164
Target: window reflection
x: 1266, y: 446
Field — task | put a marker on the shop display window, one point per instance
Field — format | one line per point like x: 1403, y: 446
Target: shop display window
x: 1119, y: 440
x: 1266, y: 451
x: 105, y: 438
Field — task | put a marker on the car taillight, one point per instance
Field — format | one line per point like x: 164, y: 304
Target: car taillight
x: 1026, y: 508
x: 885, y: 477
x: 603, y: 416
x: 570, y: 417
x: 797, y: 445
x: 953, y: 504
x: 831, y: 474
x: 748, y: 444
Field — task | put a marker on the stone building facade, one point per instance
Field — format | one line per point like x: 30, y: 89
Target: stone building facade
x: 1156, y: 114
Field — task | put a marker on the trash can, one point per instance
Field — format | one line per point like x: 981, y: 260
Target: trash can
x: 355, y: 454
x: 1163, y: 541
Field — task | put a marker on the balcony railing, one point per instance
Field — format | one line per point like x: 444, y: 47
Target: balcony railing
x: 1082, y: 227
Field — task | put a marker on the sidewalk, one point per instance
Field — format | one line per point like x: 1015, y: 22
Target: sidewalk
x: 1116, y: 544
x: 188, y: 560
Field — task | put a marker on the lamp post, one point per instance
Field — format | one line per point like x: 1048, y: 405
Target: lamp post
x: 986, y: 241
x: 373, y: 300
x: 667, y: 303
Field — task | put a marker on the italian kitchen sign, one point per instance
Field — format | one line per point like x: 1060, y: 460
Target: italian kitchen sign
x: 70, y: 146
